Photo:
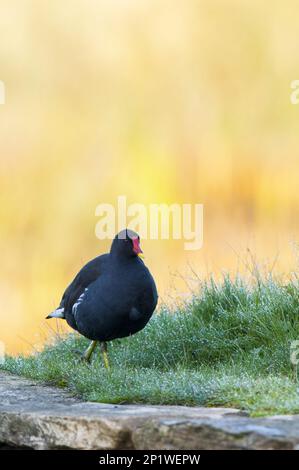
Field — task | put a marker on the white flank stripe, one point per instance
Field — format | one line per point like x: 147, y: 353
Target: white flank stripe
x: 79, y: 301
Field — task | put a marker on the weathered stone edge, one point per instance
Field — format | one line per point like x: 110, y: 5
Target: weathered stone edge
x: 38, y: 431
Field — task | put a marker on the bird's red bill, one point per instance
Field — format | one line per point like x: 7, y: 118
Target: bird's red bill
x: 136, y: 246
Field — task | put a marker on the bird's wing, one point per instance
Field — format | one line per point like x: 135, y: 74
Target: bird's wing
x: 88, y: 274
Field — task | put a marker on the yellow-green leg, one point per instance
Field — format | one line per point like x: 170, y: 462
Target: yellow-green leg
x: 87, y: 354
x: 103, y: 345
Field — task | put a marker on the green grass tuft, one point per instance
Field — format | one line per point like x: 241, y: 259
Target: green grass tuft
x: 227, y: 346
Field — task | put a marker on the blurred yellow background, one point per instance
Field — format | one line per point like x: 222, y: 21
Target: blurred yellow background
x: 161, y: 101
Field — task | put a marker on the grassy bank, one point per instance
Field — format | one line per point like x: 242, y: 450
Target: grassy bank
x: 228, y: 346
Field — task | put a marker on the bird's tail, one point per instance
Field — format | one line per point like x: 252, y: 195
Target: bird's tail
x: 58, y: 313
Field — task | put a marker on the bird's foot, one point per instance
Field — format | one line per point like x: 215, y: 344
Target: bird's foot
x: 77, y: 351
x: 81, y: 357
x: 86, y: 356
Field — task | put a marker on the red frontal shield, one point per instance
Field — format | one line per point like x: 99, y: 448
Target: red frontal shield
x: 136, y: 246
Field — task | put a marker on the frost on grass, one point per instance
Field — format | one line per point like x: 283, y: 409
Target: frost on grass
x: 229, y: 345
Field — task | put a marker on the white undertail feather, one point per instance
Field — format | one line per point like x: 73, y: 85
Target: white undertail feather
x: 58, y: 313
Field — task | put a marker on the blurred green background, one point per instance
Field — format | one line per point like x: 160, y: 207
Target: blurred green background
x: 162, y: 101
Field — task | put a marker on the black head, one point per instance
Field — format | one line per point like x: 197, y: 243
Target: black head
x: 126, y: 244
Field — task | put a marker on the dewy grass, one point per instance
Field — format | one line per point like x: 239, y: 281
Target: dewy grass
x: 227, y: 346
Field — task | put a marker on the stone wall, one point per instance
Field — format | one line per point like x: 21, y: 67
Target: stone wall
x: 42, y: 417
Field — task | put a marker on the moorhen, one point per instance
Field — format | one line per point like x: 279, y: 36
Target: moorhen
x: 113, y: 296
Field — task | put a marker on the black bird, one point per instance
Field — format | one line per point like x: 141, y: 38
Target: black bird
x: 113, y: 296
